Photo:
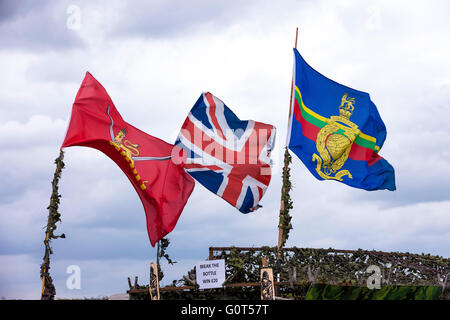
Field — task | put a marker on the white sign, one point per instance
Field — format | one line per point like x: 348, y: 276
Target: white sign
x: 210, y: 273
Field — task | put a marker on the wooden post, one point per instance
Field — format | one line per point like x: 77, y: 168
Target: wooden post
x: 48, y: 291
x: 264, y: 262
x: 283, y: 190
x: 267, y: 284
x: 153, y: 287
x: 45, y: 267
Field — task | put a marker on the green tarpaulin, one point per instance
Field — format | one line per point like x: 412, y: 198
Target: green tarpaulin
x: 336, y: 292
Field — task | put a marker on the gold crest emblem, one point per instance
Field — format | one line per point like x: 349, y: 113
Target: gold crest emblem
x: 334, y: 142
x: 129, y: 149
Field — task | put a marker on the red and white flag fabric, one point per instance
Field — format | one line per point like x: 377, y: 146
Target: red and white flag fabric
x: 162, y: 184
x: 229, y: 156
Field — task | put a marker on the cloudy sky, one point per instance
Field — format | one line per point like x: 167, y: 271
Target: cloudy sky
x: 155, y: 58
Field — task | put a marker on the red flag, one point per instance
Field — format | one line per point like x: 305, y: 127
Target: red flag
x: 162, y: 184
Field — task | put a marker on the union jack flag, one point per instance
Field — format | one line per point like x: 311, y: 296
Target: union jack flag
x: 228, y: 156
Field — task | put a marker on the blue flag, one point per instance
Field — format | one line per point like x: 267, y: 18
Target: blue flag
x: 336, y: 131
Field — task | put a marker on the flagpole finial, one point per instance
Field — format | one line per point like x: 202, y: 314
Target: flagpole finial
x: 296, y: 36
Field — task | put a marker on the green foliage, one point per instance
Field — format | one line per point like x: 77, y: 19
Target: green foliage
x: 163, y: 245
x: 335, y: 292
x: 53, y: 218
x: 342, y: 268
x: 285, y: 217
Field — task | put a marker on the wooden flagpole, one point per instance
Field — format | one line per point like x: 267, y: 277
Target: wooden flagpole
x: 285, y: 201
x: 48, y: 289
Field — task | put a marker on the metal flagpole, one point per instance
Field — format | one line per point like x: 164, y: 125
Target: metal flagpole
x: 285, y: 201
x: 158, y: 252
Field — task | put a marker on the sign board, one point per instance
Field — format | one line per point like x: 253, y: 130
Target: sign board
x: 210, y: 273
x: 267, y: 284
x: 153, y: 288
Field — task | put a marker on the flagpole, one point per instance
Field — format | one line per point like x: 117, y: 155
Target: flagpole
x: 48, y: 289
x: 158, y: 252
x: 284, y: 219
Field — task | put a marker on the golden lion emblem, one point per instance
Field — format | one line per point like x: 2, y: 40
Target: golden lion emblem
x: 120, y: 143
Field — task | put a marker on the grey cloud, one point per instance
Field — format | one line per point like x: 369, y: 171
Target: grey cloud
x: 20, y: 277
x: 10, y: 10
x: 158, y: 19
x: 36, y: 26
